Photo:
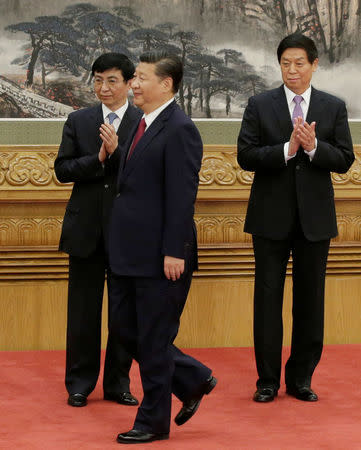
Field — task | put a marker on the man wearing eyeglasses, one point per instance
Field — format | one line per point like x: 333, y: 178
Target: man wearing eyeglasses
x: 89, y: 157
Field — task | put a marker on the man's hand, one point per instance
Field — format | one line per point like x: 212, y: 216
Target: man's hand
x: 173, y: 267
x: 102, y: 153
x: 109, y: 138
x: 306, y: 135
x: 294, y: 139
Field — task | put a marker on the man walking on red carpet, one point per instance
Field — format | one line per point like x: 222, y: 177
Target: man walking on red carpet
x: 153, y: 248
x: 292, y: 137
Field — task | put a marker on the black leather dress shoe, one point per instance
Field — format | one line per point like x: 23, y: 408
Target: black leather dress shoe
x: 304, y: 393
x: 190, y: 407
x: 264, y: 395
x: 124, y: 398
x: 77, y: 400
x: 140, y: 437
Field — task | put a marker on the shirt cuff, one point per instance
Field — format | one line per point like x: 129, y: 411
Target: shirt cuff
x: 312, y: 152
x: 285, y: 150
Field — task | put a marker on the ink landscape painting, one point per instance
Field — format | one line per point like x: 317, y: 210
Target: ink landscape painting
x: 228, y: 48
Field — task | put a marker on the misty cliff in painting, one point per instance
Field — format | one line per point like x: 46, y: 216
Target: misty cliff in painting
x: 228, y: 48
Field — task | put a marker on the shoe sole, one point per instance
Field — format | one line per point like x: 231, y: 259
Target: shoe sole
x: 207, y: 391
x: 77, y: 405
x: 302, y: 399
x: 266, y: 400
x: 111, y: 399
x: 163, y: 437
x: 211, y: 386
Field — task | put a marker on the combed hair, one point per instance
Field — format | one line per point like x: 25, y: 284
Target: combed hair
x: 166, y: 65
x: 298, y: 40
x: 113, y: 60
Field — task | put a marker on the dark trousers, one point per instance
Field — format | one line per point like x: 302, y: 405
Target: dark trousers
x: 308, y: 276
x: 83, y: 344
x: 147, y: 320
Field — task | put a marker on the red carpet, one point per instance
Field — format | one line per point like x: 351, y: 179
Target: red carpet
x: 34, y: 413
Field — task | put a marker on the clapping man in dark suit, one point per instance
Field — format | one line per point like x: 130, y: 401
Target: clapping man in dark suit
x: 153, y: 248
x: 292, y: 137
x: 89, y: 156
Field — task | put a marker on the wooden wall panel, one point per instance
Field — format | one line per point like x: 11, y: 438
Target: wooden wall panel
x: 33, y: 274
x: 218, y: 313
x: 33, y: 315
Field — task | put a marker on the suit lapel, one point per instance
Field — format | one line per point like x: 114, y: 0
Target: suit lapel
x: 126, y: 131
x: 282, y: 112
x: 316, y: 107
x: 130, y: 116
x: 148, y: 137
x: 96, y: 117
x: 126, y: 125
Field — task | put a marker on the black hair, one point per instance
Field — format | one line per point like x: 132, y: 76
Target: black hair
x: 119, y: 61
x: 298, y: 40
x: 166, y: 65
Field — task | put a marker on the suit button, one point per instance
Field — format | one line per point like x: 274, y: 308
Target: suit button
x: 106, y: 186
x: 118, y: 195
x: 298, y: 167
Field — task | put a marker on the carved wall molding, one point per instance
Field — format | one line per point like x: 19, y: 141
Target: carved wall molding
x: 22, y: 166
x: 221, y: 229
x: 224, y: 229
x: 353, y: 176
x: 27, y: 168
x: 46, y: 263
x: 349, y: 228
x: 221, y: 168
x: 211, y: 229
x: 33, y: 263
x: 27, y: 173
x: 30, y: 231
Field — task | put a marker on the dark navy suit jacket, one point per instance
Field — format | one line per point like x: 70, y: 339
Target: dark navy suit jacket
x: 88, y: 210
x: 157, y: 187
x: 280, y: 192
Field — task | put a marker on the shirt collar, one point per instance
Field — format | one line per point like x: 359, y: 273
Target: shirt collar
x: 150, y: 118
x: 290, y: 95
x: 119, y: 112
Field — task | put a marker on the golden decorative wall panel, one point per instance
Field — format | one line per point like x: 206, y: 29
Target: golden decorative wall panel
x: 33, y: 274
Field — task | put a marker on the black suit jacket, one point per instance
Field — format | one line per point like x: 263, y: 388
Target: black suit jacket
x: 157, y: 187
x: 88, y: 210
x: 303, y: 188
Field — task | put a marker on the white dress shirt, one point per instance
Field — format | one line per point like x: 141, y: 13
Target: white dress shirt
x: 305, y: 103
x: 150, y: 118
x: 119, y: 112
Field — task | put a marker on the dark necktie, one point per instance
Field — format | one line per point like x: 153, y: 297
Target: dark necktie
x: 111, y: 117
x: 297, y: 112
x: 139, y: 133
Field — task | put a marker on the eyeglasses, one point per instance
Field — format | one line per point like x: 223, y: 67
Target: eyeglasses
x: 98, y: 82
